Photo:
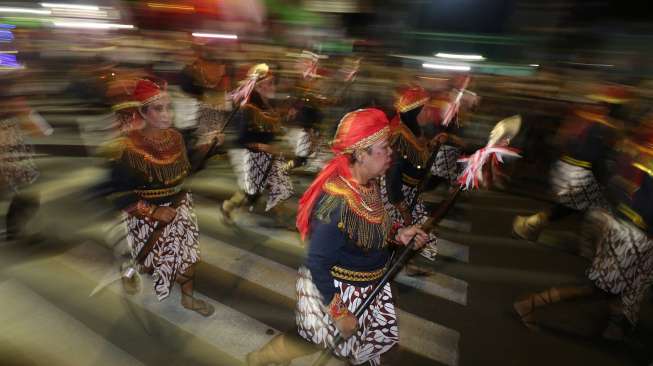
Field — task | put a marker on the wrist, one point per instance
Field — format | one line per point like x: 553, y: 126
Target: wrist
x: 337, y: 309
x: 152, y: 210
x: 145, y: 209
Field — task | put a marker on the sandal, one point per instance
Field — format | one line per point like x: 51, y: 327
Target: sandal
x: 615, y: 330
x: 227, y: 218
x: 526, y: 306
x: 199, y: 306
x: 131, y: 285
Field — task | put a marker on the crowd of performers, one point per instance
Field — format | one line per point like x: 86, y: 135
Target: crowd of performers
x: 604, y: 174
x: 364, y: 204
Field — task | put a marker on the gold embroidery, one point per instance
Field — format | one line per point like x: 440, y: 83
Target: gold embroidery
x: 581, y: 163
x: 370, y: 140
x: 594, y: 117
x: 644, y: 168
x: 632, y: 216
x: 356, y: 276
x: 409, y: 180
x: 163, y: 160
x: 158, y: 193
x: 260, y: 120
x: 408, y: 146
x: 401, y: 107
x: 362, y: 215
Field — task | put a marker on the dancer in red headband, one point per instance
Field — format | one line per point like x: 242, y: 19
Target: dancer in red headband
x: 350, y: 235
x: 151, y: 166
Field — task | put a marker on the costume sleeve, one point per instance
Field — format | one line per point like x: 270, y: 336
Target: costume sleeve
x: 122, y: 195
x: 240, y: 120
x: 324, y: 251
x: 393, y: 179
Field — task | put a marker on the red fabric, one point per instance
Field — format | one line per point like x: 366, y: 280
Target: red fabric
x: 394, y: 122
x: 146, y: 89
x: 354, y: 127
x: 410, y: 96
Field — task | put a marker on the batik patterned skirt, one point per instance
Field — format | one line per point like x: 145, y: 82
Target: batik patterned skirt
x: 17, y: 167
x: 576, y: 187
x: 446, y: 164
x: 378, y: 330
x: 258, y: 171
x: 623, y: 264
x: 176, y: 250
x: 307, y: 142
x: 210, y: 119
x: 419, y: 214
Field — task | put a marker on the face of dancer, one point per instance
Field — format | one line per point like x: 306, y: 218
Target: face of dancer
x: 159, y: 114
x: 377, y: 159
x: 266, y: 88
x: 425, y: 116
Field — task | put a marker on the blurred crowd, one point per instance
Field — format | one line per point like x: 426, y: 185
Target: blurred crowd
x: 271, y: 103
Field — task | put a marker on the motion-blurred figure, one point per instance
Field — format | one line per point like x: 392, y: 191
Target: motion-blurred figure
x: 350, y: 233
x: 150, y: 167
x: 587, y: 139
x: 411, y: 153
x: 17, y: 167
x: 622, y: 268
x: 258, y: 164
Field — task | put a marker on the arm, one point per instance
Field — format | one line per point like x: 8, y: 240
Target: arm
x: 324, y: 251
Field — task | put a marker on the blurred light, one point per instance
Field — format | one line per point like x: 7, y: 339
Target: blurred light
x: 78, y: 13
x: 9, y: 61
x: 92, y: 25
x: 586, y: 64
x: 6, y: 36
x: 70, y: 6
x: 171, y: 6
x: 446, y: 67
x: 534, y: 65
x: 215, y: 35
x: 4, y: 9
x: 460, y: 56
x: 9, y: 52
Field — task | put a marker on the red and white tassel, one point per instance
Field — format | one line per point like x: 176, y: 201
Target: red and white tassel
x: 242, y: 93
x: 454, y: 107
x: 472, y: 175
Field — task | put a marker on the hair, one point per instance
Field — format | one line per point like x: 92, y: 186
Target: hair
x: 352, y: 156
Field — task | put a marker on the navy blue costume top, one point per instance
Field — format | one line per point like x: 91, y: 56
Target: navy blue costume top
x: 410, y: 157
x: 588, y: 140
x: 256, y: 123
x: 138, y: 166
x: 635, y: 192
x: 343, y: 238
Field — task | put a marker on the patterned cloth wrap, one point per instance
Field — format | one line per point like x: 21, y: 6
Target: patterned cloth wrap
x: 446, y: 164
x: 377, y: 327
x: 210, y: 119
x: 419, y: 213
x: 257, y: 171
x: 306, y: 143
x: 176, y: 250
x: 623, y: 264
x: 576, y: 187
x: 16, y: 164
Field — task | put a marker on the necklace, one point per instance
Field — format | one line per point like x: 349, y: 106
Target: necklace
x: 160, y: 142
x: 362, y: 193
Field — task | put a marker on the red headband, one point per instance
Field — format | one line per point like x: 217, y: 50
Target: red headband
x: 357, y: 130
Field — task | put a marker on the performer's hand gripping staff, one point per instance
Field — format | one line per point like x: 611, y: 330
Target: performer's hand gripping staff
x: 414, y: 237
